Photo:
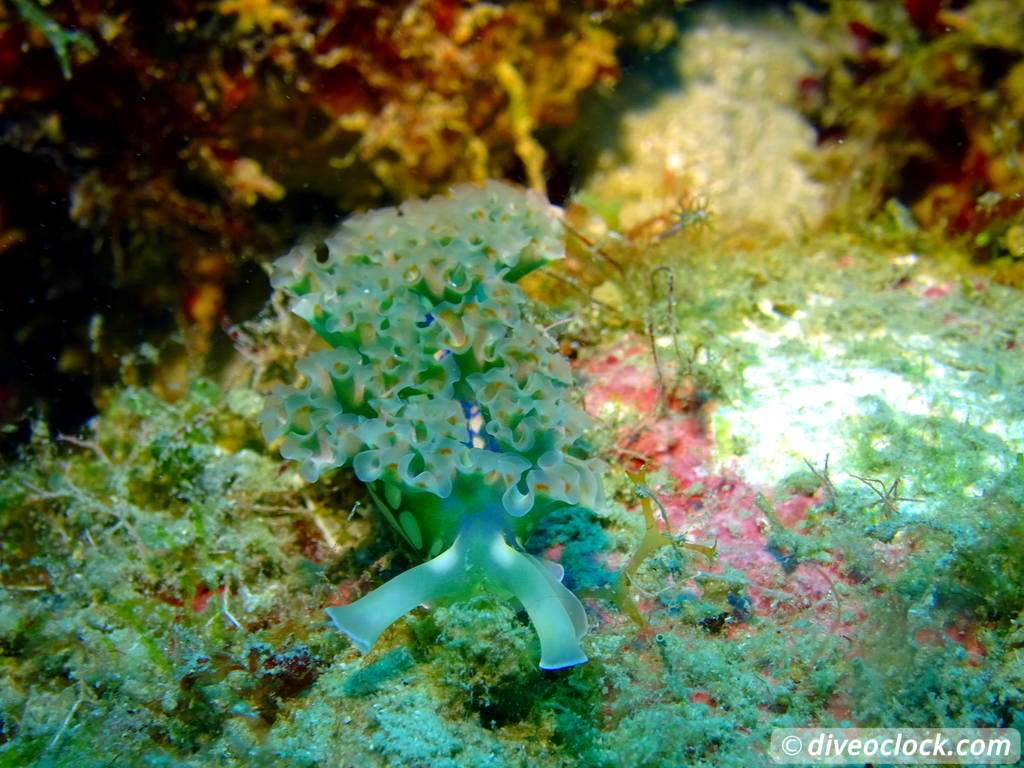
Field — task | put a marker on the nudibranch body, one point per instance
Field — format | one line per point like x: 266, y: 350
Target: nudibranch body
x: 444, y: 398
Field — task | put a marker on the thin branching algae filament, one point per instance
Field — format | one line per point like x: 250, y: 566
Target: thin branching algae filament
x: 444, y: 398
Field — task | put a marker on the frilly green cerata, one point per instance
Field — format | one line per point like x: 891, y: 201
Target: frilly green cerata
x: 444, y: 398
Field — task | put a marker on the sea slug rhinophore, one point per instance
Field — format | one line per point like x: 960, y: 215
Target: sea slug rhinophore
x: 444, y: 398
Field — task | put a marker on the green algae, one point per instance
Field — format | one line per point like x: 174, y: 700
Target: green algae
x: 875, y: 371
x: 138, y: 583
x: 62, y: 40
x: 370, y: 678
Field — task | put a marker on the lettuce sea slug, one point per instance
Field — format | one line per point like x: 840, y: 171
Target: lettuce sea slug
x: 445, y: 399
